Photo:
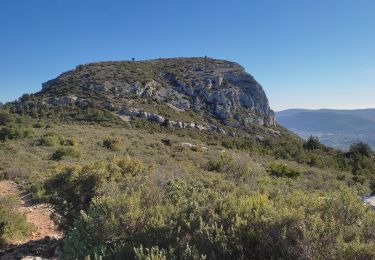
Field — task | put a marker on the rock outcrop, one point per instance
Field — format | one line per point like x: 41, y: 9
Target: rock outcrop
x: 167, y: 122
x: 209, y: 87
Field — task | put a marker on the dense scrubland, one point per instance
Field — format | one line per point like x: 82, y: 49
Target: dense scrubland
x: 140, y: 190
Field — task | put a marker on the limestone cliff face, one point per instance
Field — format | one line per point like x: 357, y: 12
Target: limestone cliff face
x: 209, y: 87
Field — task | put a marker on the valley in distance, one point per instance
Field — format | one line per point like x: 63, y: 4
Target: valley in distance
x: 334, y: 128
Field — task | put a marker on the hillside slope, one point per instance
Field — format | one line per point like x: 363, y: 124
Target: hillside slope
x: 139, y: 164
x: 210, y: 87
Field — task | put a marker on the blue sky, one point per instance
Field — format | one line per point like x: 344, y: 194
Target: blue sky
x: 305, y: 53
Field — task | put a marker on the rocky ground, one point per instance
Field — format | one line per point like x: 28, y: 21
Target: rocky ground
x: 370, y: 200
x: 44, y: 242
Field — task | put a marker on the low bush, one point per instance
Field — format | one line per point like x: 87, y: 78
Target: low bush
x: 202, y: 220
x: 50, y: 139
x: 233, y: 169
x: 13, y: 224
x: 197, y: 148
x: 72, y: 188
x: 12, y: 132
x: 220, y: 164
x: 154, y: 253
x: 283, y: 170
x: 114, y: 144
x: 38, y: 125
x: 362, y: 161
x: 69, y: 142
x: 167, y: 142
x: 6, y: 118
x: 68, y: 152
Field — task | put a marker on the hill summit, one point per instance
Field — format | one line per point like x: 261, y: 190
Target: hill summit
x: 211, y: 88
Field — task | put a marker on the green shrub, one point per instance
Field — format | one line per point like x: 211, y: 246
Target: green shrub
x: 71, y: 189
x: 50, y: 139
x: 114, y: 144
x: 220, y: 164
x: 13, y: 132
x: 5, y: 118
x: 233, y: 169
x: 239, y: 143
x: 68, y: 152
x: 362, y: 149
x: 167, y: 142
x: 362, y: 160
x: 150, y: 254
x: 13, y: 224
x: 199, y: 220
x: 38, y: 125
x: 197, y: 148
x: 69, y: 142
x: 283, y: 170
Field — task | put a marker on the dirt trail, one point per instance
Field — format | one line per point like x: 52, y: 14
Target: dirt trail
x: 45, y: 238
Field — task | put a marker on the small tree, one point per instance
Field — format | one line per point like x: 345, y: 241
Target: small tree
x: 362, y: 149
x: 5, y: 118
x: 312, y: 143
x: 361, y: 158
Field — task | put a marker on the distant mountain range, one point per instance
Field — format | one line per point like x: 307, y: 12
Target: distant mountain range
x: 336, y: 128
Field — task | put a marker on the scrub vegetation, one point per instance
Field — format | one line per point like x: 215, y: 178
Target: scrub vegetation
x: 141, y: 190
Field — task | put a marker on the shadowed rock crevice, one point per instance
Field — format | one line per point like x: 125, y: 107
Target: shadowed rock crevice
x: 45, y: 248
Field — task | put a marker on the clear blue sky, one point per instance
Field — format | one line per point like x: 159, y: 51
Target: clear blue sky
x: 305, y: 53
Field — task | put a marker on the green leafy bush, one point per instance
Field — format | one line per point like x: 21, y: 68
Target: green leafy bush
x: 53, y: 139
x: 362, y: 149
x: 13, y: 224
x: 362, y: 160
x: 71, y: 189
x: 50, y: 139
x: 199, y: 220
x: 69, y: 142
x: 167, y: 142
x: 38, y: 125
x: 9, y: 133
x: 233, y: 169
x: 66, y: 152
x: 147, y: 254
x: 5, y: 118
x: 114, y: 144
x: 13, y: 132
x: 221, y: 164
x: 283, y: 170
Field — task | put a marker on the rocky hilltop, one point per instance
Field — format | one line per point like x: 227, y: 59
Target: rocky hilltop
x: 211, y: 88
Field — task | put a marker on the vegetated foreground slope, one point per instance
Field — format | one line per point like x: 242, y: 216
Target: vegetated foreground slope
x: 336, y: 128
x: 211, y: 187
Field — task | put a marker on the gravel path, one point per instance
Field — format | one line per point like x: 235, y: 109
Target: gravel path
x: 46, y: 236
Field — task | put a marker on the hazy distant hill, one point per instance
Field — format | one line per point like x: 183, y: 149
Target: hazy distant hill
x: 338, y: 128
